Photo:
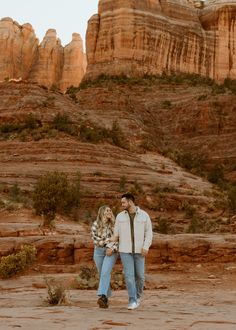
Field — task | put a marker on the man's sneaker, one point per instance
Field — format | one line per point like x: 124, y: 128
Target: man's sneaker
x: 133, y: 305
x: 102, y: 301
x: 138, y: 301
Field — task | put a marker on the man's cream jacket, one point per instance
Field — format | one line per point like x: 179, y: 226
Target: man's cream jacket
x: 142, y: 231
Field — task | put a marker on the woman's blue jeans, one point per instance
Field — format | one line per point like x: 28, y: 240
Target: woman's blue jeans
x: 134, y: 267
x: 104, y: 266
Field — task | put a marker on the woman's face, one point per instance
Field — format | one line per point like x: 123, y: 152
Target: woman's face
x: 108, y: 213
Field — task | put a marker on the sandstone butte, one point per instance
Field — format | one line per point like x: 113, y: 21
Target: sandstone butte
x: 127, y: 37
x: 155, y: 36
x: 48, y: 63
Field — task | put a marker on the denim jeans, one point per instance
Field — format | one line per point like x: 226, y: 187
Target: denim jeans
x: 104, y: 266
x: 134, y: 268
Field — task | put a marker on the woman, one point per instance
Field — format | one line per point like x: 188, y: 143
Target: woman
x: 105, y: 252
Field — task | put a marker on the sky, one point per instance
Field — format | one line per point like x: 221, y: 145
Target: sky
x: 66, y: 16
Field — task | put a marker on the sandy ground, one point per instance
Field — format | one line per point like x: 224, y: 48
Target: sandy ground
x: 200, y: 299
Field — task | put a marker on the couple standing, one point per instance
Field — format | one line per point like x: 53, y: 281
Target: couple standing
x: 131, y: 235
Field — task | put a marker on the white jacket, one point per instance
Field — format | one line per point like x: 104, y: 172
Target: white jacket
x: 142, y: 231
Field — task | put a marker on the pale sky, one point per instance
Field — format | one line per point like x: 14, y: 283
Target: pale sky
x: 66, y: 16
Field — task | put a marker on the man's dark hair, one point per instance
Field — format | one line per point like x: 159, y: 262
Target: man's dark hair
x: 129, y: 196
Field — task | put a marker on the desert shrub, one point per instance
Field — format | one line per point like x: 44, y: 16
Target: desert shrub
x: 202, y: 97
x: 14, y: 264
x: 163, y: 226
x: 53, y: 193
x: 15, y: 192
x: 216, y: 175
x: 117, y: 136
x: 165, y: 189
x: 194, y: 226
x: 54, y: 88
x: 87, y: 278
x: 148, y: 143
x: 31, y: 122
x: 71, y: 91
x: 10, y: 128
x: 166, y: 104
x: 232, y: 197
x: 2, y: 204
x: 191, y: 161
x: 25, y: 127
x: 230, y: 84
x: 92, y: 133
x: 57, y: 293
x: 201, y: 225
x: 190, y: 210
x: 63, y: 123
x: 123, y: 182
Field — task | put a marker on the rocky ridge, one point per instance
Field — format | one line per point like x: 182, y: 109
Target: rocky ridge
x: 47, y: 63
x: 135, y: 38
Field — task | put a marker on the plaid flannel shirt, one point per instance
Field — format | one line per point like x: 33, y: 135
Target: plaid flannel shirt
x: 103, y: 239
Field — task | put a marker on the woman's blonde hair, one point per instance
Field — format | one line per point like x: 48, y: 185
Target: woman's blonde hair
x: 100, y: 217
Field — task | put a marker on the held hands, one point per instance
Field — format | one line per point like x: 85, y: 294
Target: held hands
x: 109, y: 252
x: 144, y: 252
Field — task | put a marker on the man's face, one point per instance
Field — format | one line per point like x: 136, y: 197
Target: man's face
x: 125, y: 203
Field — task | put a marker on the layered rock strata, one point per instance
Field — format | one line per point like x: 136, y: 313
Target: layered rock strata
x: 48, y: 63
x: 151, y: 37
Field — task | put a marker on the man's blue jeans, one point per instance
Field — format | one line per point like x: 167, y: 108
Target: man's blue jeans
x: 134, y: 268
x: 104, y: 266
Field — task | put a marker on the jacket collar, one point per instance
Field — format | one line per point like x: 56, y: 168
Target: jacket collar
x: 137, y: 210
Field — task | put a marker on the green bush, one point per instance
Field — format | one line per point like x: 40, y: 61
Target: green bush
x: 216, y: 175
x: 14, y: 264
x: 192, y: 162
x: 53, y: 193
x: 63, y: 123
x: 230, y: 84
x: 92, y: 133
x: 163, y: 226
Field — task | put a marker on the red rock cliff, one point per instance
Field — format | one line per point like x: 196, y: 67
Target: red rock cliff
x: 152, y: 36
x: 48, y: 63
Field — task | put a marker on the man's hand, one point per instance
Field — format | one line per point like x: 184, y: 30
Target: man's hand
x: 144, y: 252
x: 109, y: 252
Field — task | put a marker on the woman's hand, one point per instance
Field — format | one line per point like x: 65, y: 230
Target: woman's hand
x: 109, y: 252
x: 114, y: 238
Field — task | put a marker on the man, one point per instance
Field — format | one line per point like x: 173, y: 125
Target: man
x: 133, y: 230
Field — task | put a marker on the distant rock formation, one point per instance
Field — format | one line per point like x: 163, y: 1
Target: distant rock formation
x: 74, y: 63
x: 155, y: 36
x: 18, y: 49
x: 48, y: 63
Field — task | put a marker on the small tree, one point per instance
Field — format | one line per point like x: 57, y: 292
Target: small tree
x: 53, y: 193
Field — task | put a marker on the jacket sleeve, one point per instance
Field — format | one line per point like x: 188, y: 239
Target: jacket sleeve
x: 116, y: 229
x: 148, y: 234
x: 97, y: 240
x: 113, y: 246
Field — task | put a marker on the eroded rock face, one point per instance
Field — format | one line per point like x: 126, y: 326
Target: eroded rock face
x: 48, y: 63
x: 74, y: 63
x: 152, y: 37
x: 18, y: 49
